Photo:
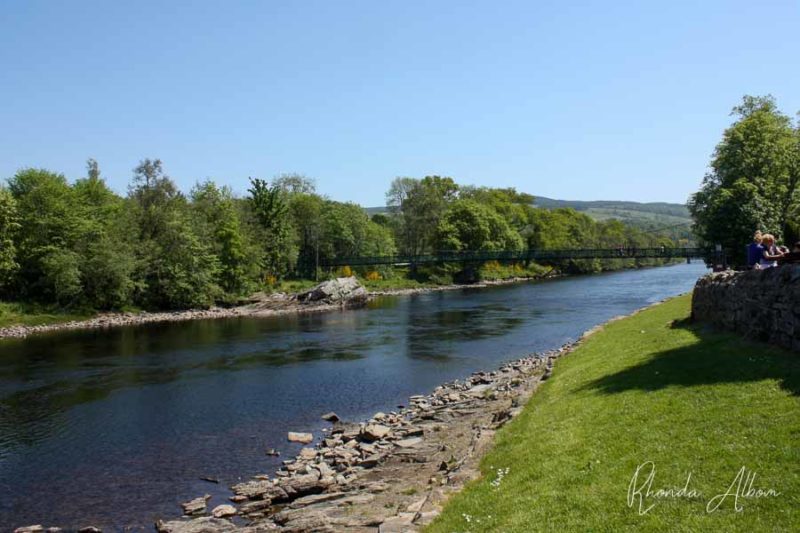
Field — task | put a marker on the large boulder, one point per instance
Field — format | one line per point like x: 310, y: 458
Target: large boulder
x: 344, y: 291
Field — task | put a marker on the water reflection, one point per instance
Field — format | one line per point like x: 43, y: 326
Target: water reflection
x: 115, y: 427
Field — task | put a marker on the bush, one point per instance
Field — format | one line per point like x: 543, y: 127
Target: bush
x: 60, y: 279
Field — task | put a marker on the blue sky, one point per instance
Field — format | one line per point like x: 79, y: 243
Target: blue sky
x: 576, y: 100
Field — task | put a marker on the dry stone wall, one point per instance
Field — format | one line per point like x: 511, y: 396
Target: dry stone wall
x: 762, y: 305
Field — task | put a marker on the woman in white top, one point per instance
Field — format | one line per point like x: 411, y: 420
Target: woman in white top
x: 771, y: 253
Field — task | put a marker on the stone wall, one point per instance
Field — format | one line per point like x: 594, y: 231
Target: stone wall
x: 762, y: 305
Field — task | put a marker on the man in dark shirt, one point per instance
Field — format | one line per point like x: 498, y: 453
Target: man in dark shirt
x: 754, y: 250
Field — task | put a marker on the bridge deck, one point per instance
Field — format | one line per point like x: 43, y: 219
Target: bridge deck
x: 526, y: 255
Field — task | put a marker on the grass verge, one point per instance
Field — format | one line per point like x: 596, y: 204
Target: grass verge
x: 650, y: 387
x: 19, y: 314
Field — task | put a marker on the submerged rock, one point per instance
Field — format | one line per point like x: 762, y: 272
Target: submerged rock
x: 331, y: 417
x: 302, y: 438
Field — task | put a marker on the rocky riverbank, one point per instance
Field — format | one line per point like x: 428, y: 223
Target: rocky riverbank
x: 391, y: 473
x: 388, y: 474
x: 327, y: 296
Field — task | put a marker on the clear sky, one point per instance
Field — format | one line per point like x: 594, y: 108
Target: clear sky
x: 574, y: 100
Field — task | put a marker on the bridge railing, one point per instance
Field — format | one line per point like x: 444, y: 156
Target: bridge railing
x: 524, y: 255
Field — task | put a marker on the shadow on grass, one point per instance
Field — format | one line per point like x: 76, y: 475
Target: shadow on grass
x: 714, y: 358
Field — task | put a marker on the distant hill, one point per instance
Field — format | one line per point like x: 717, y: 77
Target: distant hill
x: 605, y: 209
x: 663, y: 218
x: 639, y: 214
x: 604, y: 206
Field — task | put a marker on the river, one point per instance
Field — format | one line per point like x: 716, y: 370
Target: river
x: 115, y: 428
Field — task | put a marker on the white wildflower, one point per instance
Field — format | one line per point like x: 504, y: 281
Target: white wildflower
x: 501, y: 473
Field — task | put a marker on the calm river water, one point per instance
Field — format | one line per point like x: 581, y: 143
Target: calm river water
x: 115, y: 428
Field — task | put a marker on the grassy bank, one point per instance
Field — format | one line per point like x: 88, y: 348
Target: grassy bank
x: 20, y: 314
x: 647, y: 388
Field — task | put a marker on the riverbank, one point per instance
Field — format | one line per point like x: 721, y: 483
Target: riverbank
x: 658, y: 391
x: 18, y: 321
x: 261, y: 305
x: 391, y: 473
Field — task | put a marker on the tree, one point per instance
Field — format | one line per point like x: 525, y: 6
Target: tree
x: 293, y: 183
x: 470, y: 226
x: 306, y: 212
x: 218, y: 222
x: 49, y: 222
x: 105, y: 247
x: 272, y: 213
x: 155, y: 196
x: 753, y: 180
x: 9, y: 225
x: 184, y: 272
x: 417, y: 206
x: 175, y: 269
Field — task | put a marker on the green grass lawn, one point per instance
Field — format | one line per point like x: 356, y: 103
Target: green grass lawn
x: 647, y: 388
x: 18, y: 314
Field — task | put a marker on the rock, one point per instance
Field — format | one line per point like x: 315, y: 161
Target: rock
x: 303, y: 484
x: 401, y: 523
x: 336, y: 291
x: 374, y: 432
x: 414, y: 432
x: 408, y: 443
x: 264, y: 490
x: 331, y: 417
x: 308, y: 454
x: 257, y: 506
x: 195, y: 506
x: 316, y: 498
x: 370, y: 462
x: 223, y: 511
x: 303, y: 520
x: 272, y: 452
x: 303, y: 438
x: 416, y: 506
x: 198, y: 525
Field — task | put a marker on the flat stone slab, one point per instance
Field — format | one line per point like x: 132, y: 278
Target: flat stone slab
x: 303, y: 438
x: 409, y: 443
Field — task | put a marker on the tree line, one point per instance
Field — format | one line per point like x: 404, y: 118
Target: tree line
x: 753, y: 179
x: 81, y: 244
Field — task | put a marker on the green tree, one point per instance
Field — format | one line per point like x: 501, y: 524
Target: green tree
x: 105, y: 247
x: 50, y: 225
x: 219, y: 223
x: 293, y: 183
x: 417, y: 207
x: 470, y: 226
x: 270, y: 206
x: 306, y: 213
x: 175, y: 268
x: 155, y: 196
x: 753, y: 180
x: 9, y: 225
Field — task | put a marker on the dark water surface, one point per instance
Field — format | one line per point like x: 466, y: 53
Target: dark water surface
x: 114, y: 428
